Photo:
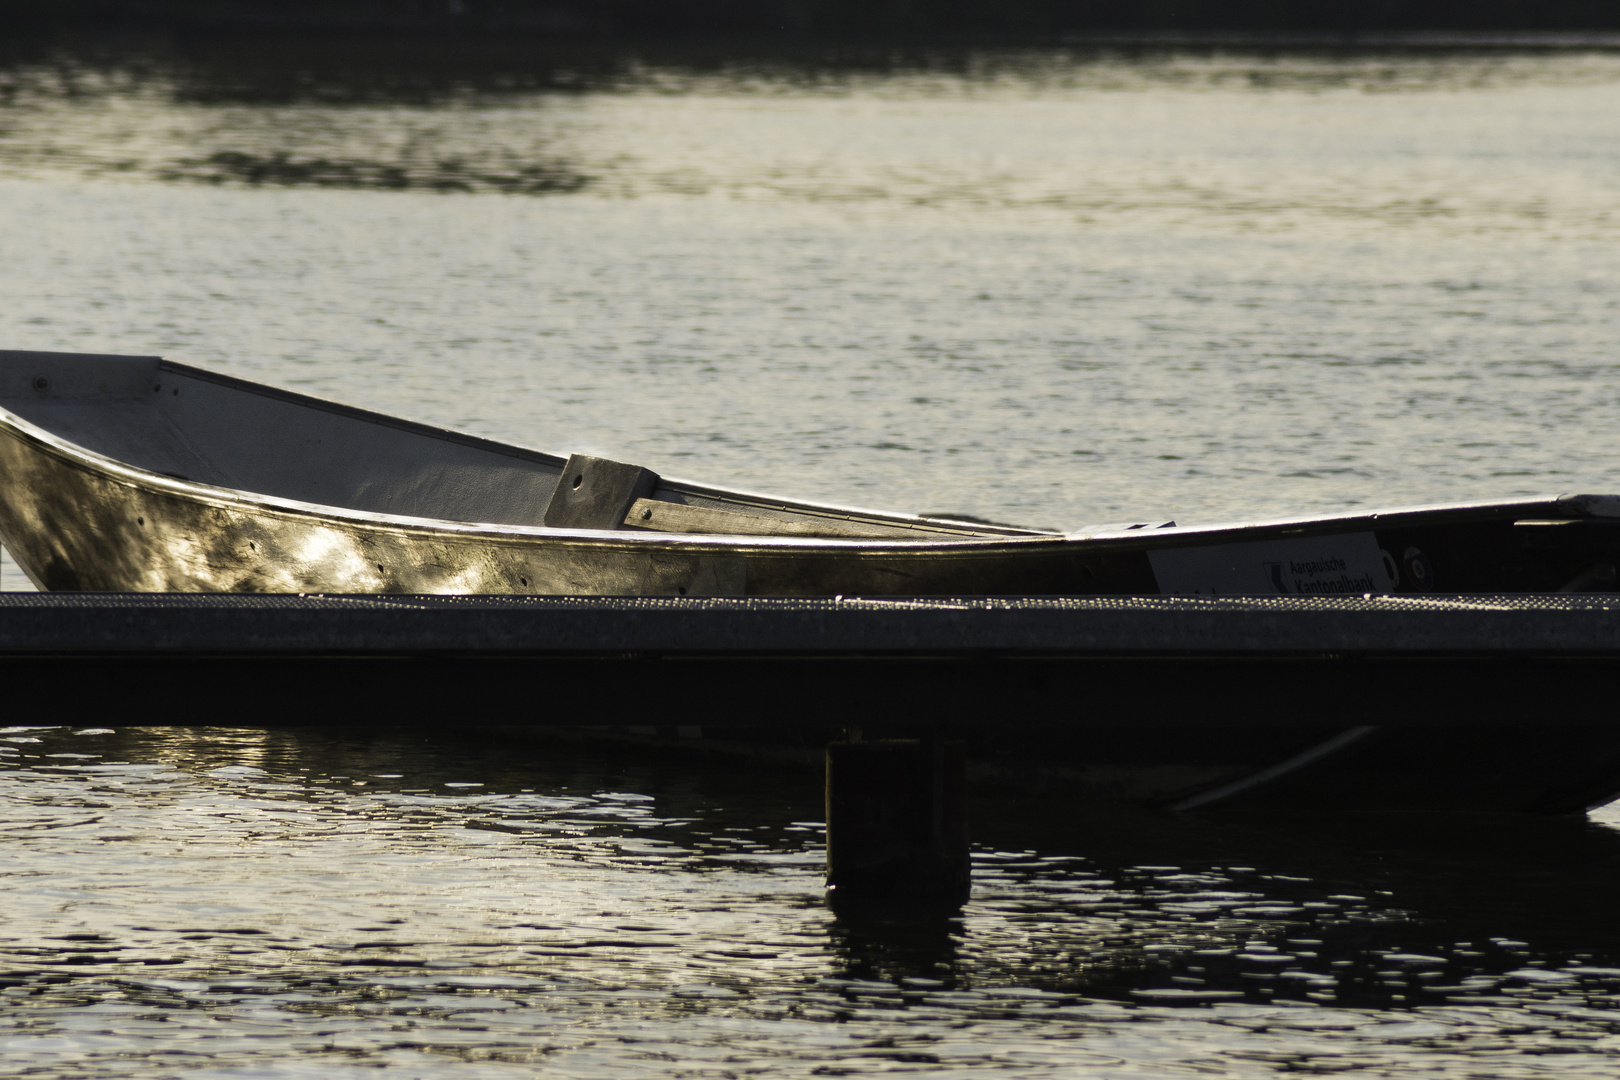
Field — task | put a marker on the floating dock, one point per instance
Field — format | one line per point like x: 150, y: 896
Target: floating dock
x: 572, y: 661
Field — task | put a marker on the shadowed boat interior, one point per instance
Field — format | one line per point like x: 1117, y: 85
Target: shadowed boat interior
x: 197, y: 426
x: 211, y: 429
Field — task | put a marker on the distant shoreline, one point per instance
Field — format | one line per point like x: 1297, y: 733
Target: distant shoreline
x: 1190, y: 24
x: 414, y: 36
x: 1431, y: 39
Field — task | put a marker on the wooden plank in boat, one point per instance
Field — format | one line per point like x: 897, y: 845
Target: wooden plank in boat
x: 595, y: 493
x: 683, y: 518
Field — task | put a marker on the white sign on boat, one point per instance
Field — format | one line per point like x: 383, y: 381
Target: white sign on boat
x: 1347, y: 565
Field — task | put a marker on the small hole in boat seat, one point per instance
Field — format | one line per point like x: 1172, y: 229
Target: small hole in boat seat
x: 681, y: 591
x: 41, y: 383
x: 156, y: 388
x: 646, y: 514
x: 140, y: 521
x: 523, y: 581
x: 379, y: 566
x: 578, y: 480
x: 177, y: 391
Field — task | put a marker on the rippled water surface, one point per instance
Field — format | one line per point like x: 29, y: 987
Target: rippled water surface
x: 223, y: 903
x: 1045, y: 287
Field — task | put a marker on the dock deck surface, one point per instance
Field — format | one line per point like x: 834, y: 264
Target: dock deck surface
x: 154, y: 623
x: 596, y: 661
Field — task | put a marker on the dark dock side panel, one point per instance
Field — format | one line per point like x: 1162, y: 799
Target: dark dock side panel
x: 771, y: 663
x: 969, y: 662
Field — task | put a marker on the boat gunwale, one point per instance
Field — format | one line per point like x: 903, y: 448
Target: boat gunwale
x: 47, y: 442
x: 938, y: 542
x: 44, y: 441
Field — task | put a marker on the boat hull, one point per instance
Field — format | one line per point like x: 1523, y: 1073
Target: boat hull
x: 134, y: 474
x: 76, y: 524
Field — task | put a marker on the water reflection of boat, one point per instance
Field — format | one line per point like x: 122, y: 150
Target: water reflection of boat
x: 136, y: 474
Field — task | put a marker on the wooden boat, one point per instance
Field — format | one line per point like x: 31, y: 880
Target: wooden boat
x: 128, y: 473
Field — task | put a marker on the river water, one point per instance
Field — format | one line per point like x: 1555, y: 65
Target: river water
x: 221, y: 902
x: 1050, y: 287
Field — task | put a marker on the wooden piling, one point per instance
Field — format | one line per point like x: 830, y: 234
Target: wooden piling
x: 897, y: 822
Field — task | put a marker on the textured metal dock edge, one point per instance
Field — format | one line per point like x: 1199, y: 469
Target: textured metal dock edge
x: 139, y: 622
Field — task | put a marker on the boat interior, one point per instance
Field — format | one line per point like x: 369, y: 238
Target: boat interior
x: 198, y: 426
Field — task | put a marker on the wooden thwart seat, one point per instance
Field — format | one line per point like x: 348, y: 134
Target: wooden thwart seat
x: 599, y: 493
x: 682, y: 518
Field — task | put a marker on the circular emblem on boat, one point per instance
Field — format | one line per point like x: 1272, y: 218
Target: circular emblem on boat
x: 1418, y: 571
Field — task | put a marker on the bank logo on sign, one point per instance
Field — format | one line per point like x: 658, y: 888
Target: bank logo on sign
x: 1326, y: 575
